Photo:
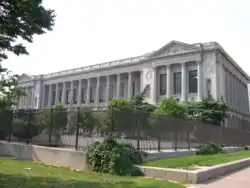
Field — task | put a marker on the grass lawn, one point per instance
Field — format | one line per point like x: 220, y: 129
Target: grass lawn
x: 187, y: 162
x: 16, y: 174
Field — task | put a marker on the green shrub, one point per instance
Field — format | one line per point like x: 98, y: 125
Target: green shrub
x: 23, y: 130
x: 246, y: 148
x: 209, y: 148
x: 113, y: 157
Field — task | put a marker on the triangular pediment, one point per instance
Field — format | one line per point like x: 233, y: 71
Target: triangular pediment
x: 174, y: 47
x: 24, y: 77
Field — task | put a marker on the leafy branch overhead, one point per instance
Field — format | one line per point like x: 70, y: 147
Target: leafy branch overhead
x: 20, y: 20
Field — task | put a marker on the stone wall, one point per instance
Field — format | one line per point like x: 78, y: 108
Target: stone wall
x: 50, y: 156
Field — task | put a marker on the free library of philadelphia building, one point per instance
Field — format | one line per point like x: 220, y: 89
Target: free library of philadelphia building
x: 189, y: 72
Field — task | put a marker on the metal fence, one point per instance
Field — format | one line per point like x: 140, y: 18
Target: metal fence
x: 79, y: 127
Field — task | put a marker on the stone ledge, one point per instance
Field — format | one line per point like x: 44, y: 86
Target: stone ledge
x: 47, y: 155
x: 194, y: 176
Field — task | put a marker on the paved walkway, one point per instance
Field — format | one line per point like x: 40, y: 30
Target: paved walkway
x: 239, y: 179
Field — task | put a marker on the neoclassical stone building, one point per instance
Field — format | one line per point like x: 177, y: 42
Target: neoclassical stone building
x: 186, y: 71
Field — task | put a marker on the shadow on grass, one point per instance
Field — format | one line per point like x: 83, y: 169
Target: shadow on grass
x: 11, y: 181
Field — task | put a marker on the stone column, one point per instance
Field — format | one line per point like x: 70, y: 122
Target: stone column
x: 183, y: 82
x: 141, y: 81
x: 107, y: 88
x: 118, y: 84
x: 50, y: 96
x: 97, y: 91
x: 79, y: 94
x: 57, y: 93
x: 71, y: 93
x: 237, y: 94
x: 64, y: 92
x: 169, y: 81
x: 129, y: 96
x: 43, y: 95
x: 199, y: 81
x: 153, y: 89
x: 88, y: 91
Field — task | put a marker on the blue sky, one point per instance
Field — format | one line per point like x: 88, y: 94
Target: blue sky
x: 94, y: 31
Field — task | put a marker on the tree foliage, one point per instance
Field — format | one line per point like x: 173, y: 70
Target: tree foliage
x: 54, y: 120
x: 22, y: 20
x: 171, y: 108
x: 86, y: 120
x: 209, y: 111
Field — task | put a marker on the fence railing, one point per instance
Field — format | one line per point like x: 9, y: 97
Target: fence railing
x: 79, y: 127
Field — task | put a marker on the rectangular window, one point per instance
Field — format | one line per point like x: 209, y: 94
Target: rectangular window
x: 74, y: 96
x: 83, y: 97
x: 101, y: 94
x: 192, y: 77
x: 60, y: 95
x: 122, y: 89
x: 163, y: 84
x: 92, y: 95
x: 111, y: 91
x: 53, y: 97
x: 67, y: 97
x: 133, y: 89
x: 177, y: 83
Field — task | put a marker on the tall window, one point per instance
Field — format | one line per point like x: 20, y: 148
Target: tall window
x: 60, y: 95
x: 133, y: 89
x: 74, y: 96
x: 92, y: 94
x: 53, y: 97
x: 192, y: 75
x: 111, y: 91
x: 163, y: 84
x: 101, y: 94
x: 177, y: 83
x: 83, y: 97
x: 122, y: 88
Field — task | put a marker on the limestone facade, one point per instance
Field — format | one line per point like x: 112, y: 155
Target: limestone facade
x: 189, y: 72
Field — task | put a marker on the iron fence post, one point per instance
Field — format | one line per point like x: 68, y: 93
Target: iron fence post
x: 111, y: 123
x: 50, y: 126
x: 77, y: 127
x: 29, y: 127
x: 189, y: 141
x: 138, y: 133
x: 10, y: 127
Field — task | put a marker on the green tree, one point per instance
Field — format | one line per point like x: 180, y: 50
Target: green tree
x: 209, y: 111
x: 171, y: 108
x: 166, y: 117
x: 22, y: 20
x: 120, y: 116
x: 54, y: 120
x: 86, y: 120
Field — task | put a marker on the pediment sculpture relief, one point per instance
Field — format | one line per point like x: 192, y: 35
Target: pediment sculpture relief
x: 175, y: 49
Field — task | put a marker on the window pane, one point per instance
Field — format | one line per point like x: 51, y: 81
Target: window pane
x: 192, y: 81
x: 60, y: 95
x: 133, y: 89
x: 177, y: 83
x: 163, y: 84
x: 122, y: 89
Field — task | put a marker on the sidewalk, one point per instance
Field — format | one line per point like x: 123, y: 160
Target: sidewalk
x: 239, y: 179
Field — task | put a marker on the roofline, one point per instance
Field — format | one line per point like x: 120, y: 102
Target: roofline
x: 233, y: 62
x: 216, y: 47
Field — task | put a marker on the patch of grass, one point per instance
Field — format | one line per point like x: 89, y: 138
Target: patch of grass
x: 16, y: 173
x: 199, y: 160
